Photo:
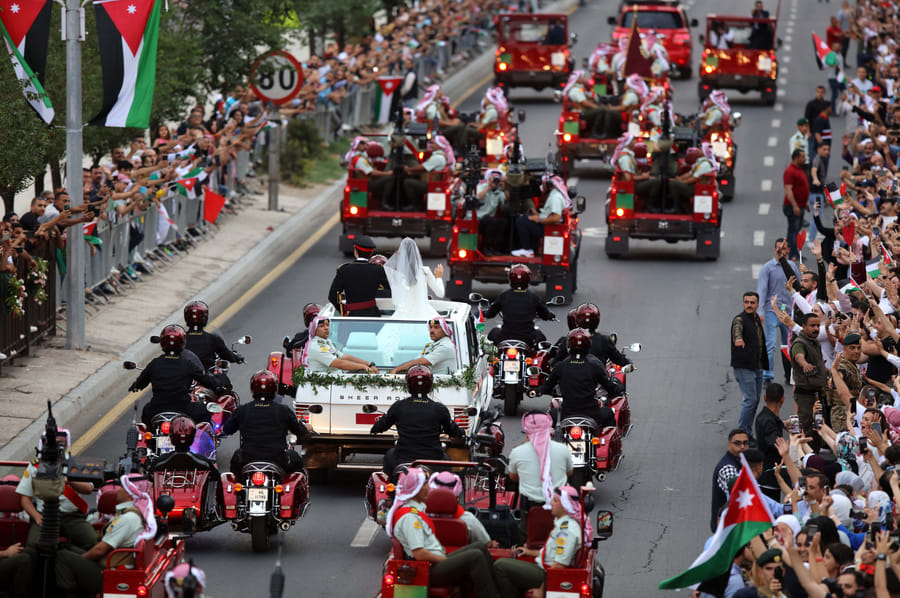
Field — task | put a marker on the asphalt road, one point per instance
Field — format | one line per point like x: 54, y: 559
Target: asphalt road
x: 683, y: 396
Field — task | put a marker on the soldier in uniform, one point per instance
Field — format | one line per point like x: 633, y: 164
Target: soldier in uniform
x: 72, y: 507
x: 321, y: 355
x: 646, y: 187
x: 715, y: 112
x: 408, y: 523
x: 134, y: 521
x: 414, y: 189
x: 588, y: 110
x: 635, y: 89
x: 515, y: 576
x: 681, y: 188
x: 439, y: 354
x: 358, y: 159
x: 847, y: 381
x: 358, y: 282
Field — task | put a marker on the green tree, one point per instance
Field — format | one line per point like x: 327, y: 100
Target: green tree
x: 23, y: 137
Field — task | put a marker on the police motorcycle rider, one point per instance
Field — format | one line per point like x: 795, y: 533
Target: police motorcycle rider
x: 207, y: 346
x: 264, y: 425
x: 171, y: 375
x: 310, y: 311
x: 587, y: 316
x: 578, y: 376
x: 419, y: 421
x: 519, y: 307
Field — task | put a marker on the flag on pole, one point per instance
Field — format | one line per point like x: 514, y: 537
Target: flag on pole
x: 888, y: 260
x: 384, y: 97
x: 872, y: 268
x: 480, y: 325
x: 128, y: 33
x: 163, y: 225
x: 825, y: 56
x: 25, y: 26
x: 635, y: 59
x: 847, y: 286
x: 88, y: 229
x: 212, y: 205
x: 746, y: 517
x: 188, y: 181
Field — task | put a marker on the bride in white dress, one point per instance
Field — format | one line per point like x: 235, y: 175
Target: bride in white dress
x: 410, y: 281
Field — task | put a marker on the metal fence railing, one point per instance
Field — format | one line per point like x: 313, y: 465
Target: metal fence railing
x: 19, y: 332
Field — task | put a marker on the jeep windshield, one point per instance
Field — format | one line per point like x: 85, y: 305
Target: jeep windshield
x: 524, y: 32
x: 654, y: 20
x: 741, y: 31
x: 386, y: 341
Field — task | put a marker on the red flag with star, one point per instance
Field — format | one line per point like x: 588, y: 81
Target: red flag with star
x: 128, y: 32
x: 25, y: 27
x: 746, y: 517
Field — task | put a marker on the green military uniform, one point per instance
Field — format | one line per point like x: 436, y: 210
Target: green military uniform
x: 321, y: 354
x: 516, y: 576
x: 593, y: 117
x: 853, y: 379
x: 682, y: 193
x: 647, y: 190
x: 76, y: 573
x: 415, y: 189
x: 472, y: 561
x: 72, y: 523
x: 441, y: 355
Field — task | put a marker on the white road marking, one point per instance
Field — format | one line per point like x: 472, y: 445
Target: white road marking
x: 365, y: 534
x: 759, y: 238
x: 778, y: 107
x: 789, y: 30
x: 784, y: 70
x: 788, y: 38
x: 755, y: 268
x: 773, y: 141
x: 781, y: 93
x: 594, y: 231
x: 786, y: 47
x: 769, y: 161
x: 764, y: 208
x: 786, y: 59
x: 776, y: 123
x: 766, y: 185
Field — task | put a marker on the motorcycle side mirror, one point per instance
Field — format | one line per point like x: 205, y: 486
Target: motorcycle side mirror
x: 736, y: 117
x: 611, y: 20
x: 522, y: 115
x: 476, y: 297
x: 557, y: 96
x: 471, y: 412
x: 604, y: 527
x: 222, y: 364
x: 574, y: 37
x: 214, y: 408
x: 129, y: 365
x: 695, y: 23
x: 165, y: 503
x: 614, y: 337
x: 701, y: 37
x: 556, y: 300
x: 369, y: 408
x: 627, y: 369
x: 532, y: 371
x: 544, y: 345
x: 580, y: 204
x: 317, y: 409
x: 588, y: 500
x: 635, y: 347
x: 286, y: 343
x: 778, y: 43
x: 585, y: 62
x: 245, y: 340
x: 154, y: 339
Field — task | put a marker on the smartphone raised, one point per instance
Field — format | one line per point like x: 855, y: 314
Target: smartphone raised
x: 863, y: 445
x: 876, y: 426
x: 811, y: 530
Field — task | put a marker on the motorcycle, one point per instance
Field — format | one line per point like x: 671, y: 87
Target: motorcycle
x: 514, y: 356
x: 619, y: 404
x: 224, y: 395
x: 595, y: 452
x: 262, y: 499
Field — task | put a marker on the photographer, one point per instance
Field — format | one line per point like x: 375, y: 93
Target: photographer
x: 493, y: 222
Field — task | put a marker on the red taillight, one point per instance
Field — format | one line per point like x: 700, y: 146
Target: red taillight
x: 585, y: 589
x: 724, y: 182
x: 458, y: 283
x: 347, y: 189
x: 354, y: 210
x: 351, y: 237
x: 142, y: 590
x: 617, y: 239
x: 165, y: 427
x: 575, y: 432
x: 388, y: 580
x: 707, y: 242
x: 620, y: 212
x: 258, y: 478
x: 512, y: 353
x: 442, y: 239
x: 463, y: 253
x: 558, y: 287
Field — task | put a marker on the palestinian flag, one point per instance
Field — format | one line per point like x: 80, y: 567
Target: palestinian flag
x: 888, y: 260
x: 128, y: 31
x: 836, y: 196
x: 187, y: 182
x: 384, y: 98
x: 747, y: 516
x: 25, y: 25
x: 825, y: 56
x: 88, y: 229
x: 480, y: 324
x: 872, y: 268
x: 848, y: 286
x: 635, y: 59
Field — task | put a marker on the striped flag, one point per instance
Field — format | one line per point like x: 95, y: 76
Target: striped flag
x: 872, y: 268
x: 480, y: 324
x: 847, y: 286
x: 187, y: 182
x: 888, y: 260
x: 25, y: 26
x: 384, y: 98
x: 128, y: 32
x: 825, y: 56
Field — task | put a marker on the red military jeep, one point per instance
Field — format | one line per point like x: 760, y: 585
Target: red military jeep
x: 739, y: 53
x: 532, y: 51
x: 670, y: 22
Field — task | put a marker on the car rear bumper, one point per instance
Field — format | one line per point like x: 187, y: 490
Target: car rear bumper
x: 660, y: 226
x: 531, y: 78
x: 738, y: 82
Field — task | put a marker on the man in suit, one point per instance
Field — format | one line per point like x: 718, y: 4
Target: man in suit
x: 358, y: 282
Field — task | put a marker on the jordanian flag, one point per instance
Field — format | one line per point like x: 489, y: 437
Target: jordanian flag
x: 747, y: 516
x: 888, y: 259
x: 384, y: 98
x: 128, y: 31
x: 827, y: 56
x: 25, y: 25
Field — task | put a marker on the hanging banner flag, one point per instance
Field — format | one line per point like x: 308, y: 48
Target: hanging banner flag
x: 384, y: 97
x: 128, y: 32
x: 25, y: 26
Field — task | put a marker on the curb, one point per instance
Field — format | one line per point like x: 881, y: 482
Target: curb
x: 272, y: 248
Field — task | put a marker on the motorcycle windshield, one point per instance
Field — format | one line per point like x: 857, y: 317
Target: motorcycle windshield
x: 204, y: 445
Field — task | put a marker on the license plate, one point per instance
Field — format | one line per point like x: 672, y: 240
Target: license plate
x: 720, y: 149
x: 163, y: 444
x: 494, y: 146
x: 576, y: 448
x: 764, y: 63
x: 511, y: 377
x: 553, y: 245
x: 702, y: 204
x: 558, y: 59
x: 437, y: 201
x: 257, y: 494
x: 511, y: 366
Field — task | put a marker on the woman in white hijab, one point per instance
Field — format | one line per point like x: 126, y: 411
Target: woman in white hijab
x: 410, y: 281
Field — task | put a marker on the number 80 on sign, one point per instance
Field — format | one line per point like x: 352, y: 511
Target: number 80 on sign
x: 276, y: 77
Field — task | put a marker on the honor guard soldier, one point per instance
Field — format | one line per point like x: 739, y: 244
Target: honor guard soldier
x: 357, y: 282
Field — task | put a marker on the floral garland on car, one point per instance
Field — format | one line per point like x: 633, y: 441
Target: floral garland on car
x: 37, y: 281
x: 465, y: 378
x: 15, y: 295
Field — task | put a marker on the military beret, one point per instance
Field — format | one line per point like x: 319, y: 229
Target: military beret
x: 802, y: 121
x: 851, y: 339
x: 772, y: 555
x: 364, y: 243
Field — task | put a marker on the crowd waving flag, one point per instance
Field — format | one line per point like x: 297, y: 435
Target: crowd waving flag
x: 746, y: 517
x: 825, y: 56
x: 128, y: 33
x: 25, y: 25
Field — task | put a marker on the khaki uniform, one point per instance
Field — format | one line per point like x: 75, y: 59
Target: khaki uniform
x: 71, y: 521
x: 321, y: 354
x: 853, y: 379
x: 516, y: 576
x: 441, y: 355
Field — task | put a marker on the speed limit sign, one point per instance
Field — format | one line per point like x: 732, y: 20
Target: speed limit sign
x: 276, y: 77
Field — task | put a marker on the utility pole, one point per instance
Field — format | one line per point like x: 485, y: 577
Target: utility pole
x: 75, y: 246
x: 274, y: 134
